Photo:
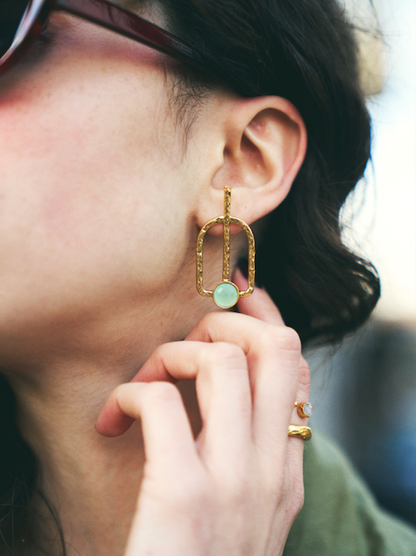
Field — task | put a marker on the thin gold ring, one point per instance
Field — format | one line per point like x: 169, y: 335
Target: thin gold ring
x: 304, y: 409
x: 301, y: 432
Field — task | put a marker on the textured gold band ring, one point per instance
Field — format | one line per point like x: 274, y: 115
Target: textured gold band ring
x: 301, y: 432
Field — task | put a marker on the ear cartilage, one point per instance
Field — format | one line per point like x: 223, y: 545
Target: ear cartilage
x: 226, y: 294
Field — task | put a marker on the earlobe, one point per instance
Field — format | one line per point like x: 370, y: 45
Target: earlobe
x: 264, y: 146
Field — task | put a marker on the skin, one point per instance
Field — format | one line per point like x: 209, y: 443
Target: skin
x: 100, y: 206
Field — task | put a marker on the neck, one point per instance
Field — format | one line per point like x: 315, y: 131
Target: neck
x: 93, y: 482
x: 90, y: 480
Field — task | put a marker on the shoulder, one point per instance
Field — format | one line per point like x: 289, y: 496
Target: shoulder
x: 340, y: 516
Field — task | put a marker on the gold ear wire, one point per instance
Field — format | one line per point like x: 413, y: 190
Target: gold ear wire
x: 226, y: 294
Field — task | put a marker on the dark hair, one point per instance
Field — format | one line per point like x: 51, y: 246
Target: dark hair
x: 304, y: 51
x: 17, y: 476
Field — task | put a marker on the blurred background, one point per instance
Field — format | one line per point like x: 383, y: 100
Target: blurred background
x: 364, y: 392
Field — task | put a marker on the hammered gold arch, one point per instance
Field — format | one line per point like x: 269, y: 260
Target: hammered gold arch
x: 226, y: 220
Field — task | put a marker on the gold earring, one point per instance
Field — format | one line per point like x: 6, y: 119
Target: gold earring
x: 226, y: 294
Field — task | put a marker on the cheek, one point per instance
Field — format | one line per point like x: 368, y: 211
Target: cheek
x: 75, y: 136
x: 84, y: 192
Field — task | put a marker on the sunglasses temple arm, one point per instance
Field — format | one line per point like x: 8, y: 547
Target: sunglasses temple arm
x: 130, y: 25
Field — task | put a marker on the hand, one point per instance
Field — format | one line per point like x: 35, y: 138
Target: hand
x: 236, y: 489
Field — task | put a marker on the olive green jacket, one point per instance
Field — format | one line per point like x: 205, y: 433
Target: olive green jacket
x: 340, y: 516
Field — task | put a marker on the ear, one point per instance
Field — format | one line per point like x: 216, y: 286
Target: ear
x: 260, y: 147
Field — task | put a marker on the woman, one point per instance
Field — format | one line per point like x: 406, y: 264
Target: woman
x: 114, y: 155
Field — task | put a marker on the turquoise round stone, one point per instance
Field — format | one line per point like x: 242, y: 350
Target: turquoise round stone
x: 226, y: 295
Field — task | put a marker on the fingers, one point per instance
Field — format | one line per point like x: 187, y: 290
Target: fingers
x: 223, y: 393
x: 247, y: 373
x: 258, y: 305
x: 273, y: 356
x: 166, y: 430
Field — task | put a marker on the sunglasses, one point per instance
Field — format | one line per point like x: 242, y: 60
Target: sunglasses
x: 22, y: 21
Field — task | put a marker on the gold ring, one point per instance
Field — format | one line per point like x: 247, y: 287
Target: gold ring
x: 301, y: 432
x: 304, y: 409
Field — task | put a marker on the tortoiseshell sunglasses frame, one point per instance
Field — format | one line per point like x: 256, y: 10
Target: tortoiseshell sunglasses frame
x: 103, y: 13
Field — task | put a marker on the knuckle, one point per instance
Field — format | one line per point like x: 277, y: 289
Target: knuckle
x: 120, y: 393
x: 298, y: 497
x: 285, y: 487
x: 294, y: 494
x: 304, y: 374
x: 162, y: 392
x: 226, y: 355
x: 119, y: 390
x: 289, y: 340
x: 211, y: 320
x: 282, y: 338
x: 159, y: 351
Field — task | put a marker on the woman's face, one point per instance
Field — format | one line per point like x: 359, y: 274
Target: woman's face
x: 95, y: 185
